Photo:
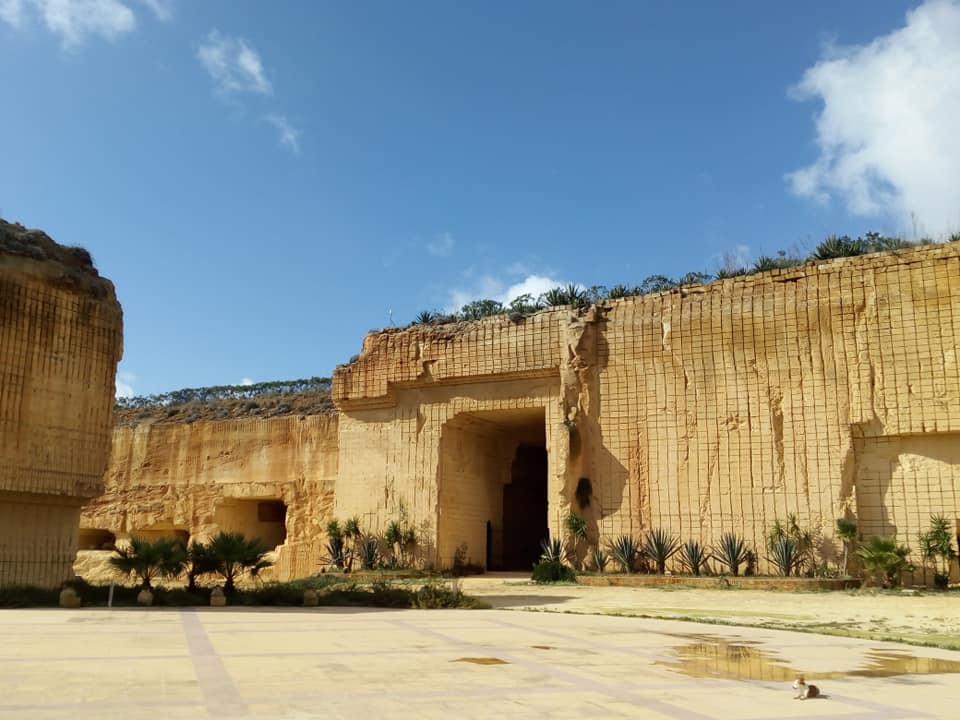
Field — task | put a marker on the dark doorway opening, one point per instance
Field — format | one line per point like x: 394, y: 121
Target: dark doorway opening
x: 525, y: 508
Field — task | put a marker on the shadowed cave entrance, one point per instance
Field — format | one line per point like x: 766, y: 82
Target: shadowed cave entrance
x: 493, y: 488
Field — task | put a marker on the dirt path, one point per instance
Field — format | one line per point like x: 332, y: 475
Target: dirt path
x: 917, y: 618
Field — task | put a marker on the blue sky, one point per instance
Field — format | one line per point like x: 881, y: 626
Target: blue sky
x: 266, y: 182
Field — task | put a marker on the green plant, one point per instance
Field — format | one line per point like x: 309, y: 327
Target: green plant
x: 576, y: 526
x: 847, y: 532
x: 656, y: 283
x: 338, y: 554
x: 368, y: 550
x: 883, y: 559
x: 625, y: 550
x: 694, y: 556
x: 622, y: 291
x: 842, y: 246
x: 524, y: 304
x: 802, y: 539
x: 549, y: 571
x: 479, y: 309
x: 600, y: 559
x: 732, y: 551
x: 551, y: 551
x: 782, y: 261
x: 425, y: 317
x: 236, y: 555
x: 150, y: 559
x: 784, y: 554
x: 695, y: 278
x: 200, y: 561
x: 660, y: 546
x: 936, y: 546
x: 566, y: 295
x: 576, y: 534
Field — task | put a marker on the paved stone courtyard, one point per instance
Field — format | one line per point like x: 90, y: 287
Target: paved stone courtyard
x: 367, y: 663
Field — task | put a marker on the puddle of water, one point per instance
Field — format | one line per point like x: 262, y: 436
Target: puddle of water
x: 543, y: 647
x: 717, y: 657
x: 482, y: 660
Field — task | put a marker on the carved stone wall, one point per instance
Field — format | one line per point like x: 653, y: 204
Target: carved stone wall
x: 269, y: 478
x: 825, y: 390
x: 60, y: 341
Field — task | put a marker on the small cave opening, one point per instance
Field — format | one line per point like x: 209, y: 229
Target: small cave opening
x: 96, y: 539
x: 264, y: 518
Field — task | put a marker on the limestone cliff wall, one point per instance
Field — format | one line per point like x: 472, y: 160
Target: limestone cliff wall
x: 272, y: 478
x: 60, y: 341
x: 826, y: 390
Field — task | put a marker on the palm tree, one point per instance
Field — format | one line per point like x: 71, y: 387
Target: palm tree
x: 236, y: 555
x: 883, y: 558
x: 847, y: 532
x: 200, y: 561
x: 149, y: 560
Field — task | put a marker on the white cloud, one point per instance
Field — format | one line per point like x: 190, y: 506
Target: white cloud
x: 234, y: 65
x: 73, y: 20
x: 442, y: 245
x: 488, y: 287
x: 887, y: 133
x: 124, y: 384
x: 162, y: 9
x: 247, y: 381
x: 12, y: 13
x: 288, y: 135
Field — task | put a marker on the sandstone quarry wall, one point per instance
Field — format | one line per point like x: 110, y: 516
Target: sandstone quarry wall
x: 824, y: 391
x: 60, y: 341
x: 271, y: 478
x: 827, y: 390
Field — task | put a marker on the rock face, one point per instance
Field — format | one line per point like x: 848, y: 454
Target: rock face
x: 60, y: 341
x: 826, y: 390
x: 272, y: 479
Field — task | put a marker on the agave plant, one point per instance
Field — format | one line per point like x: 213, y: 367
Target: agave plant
x: 732, y: 551
x: 625, y: 550
x: 802, y: 538
x: 600, y: 559
x: 368, y: 550
x: 622, y: 291
x: 784, y: 554
x: 883, y: 558
x: 565, y: 295
x: 660, y: 546
x: 694, y: 556
x: 695, y: 278
x: 551, y: 551
x: 425, y: 317
x: 842, y: 246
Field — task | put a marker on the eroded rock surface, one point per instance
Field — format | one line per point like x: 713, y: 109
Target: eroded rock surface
x: 60, y: 341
